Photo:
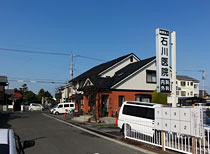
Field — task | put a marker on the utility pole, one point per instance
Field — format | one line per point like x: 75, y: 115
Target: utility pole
x: 173, y: 62
x: 71, y: 67
x: 203, y: 78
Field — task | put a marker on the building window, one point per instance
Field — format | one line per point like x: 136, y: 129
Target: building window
x: 143, y: 98
x: 138, y: 98
x: 191, y: 83
x: 177, y: 93
x: 183, y: 93
x: 191, y: 93
x: 195, y: 86
x: 121, y: 100
x: 81, y: 102
x: 183, y: 83
x: 151, y: 76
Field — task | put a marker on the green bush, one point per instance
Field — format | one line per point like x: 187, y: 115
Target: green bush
x: 159, y: 98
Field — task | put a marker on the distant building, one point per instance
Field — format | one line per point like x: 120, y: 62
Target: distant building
x: 106, y: 86
x: 3, y: 83
x: 187, y: 86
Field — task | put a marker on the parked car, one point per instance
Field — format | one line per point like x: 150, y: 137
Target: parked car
x: 35, y: 107
x: 139, y: 116
x: 10, y: 142
x: 199, y: 104
x: 63, y: 108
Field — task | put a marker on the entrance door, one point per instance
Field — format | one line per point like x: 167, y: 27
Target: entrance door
x: 105, y: 105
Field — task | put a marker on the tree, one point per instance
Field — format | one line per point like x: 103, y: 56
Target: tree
x: 46, y: 95
x: 23, y: 91
x: 30, y: 97
x: 40, y: 94
x: 159, y: 98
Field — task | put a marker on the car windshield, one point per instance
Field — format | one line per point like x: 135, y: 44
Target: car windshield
x: 4, y: 148
x: 36, y: 105
x: 55, y: 106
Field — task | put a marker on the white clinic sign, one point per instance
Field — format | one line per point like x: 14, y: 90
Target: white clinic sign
x: 163, y: 60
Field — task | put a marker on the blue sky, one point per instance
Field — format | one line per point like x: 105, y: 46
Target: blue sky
x: 104, y: 29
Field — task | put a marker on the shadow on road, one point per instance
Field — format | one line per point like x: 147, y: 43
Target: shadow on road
x: 38, y: 138
x: 6, y: 117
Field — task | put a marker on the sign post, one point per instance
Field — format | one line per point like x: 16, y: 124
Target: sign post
x: 173, y: 61
x: 163, y: 60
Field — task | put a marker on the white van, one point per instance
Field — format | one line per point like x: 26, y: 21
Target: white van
x: 63, y: 107
x: 139, y: 116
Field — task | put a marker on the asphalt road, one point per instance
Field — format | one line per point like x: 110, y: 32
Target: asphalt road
x: 54, y: 137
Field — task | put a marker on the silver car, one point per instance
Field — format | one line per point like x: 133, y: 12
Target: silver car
x: 10, y: 142
x: 35, y: 107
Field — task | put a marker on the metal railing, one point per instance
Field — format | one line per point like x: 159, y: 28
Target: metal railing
x: 168, y: 140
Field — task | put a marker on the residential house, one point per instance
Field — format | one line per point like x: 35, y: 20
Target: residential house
x: 106, y: 86
x: 187, y: 86
x: 62, y: 94
x: 3, y: 83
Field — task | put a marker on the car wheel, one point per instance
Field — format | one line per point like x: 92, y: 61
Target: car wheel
x: 122, y: 130
x: 31, y: 109
x: 56, y: 113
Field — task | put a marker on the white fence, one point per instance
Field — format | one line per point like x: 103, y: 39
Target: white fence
x: 169, y: 140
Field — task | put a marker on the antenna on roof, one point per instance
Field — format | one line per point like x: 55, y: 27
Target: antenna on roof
x: 203, y: 78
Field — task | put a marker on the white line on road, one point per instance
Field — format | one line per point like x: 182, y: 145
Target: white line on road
x: 101, y: 136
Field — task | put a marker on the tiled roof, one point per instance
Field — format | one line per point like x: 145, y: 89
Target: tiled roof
x: 107, y: 83
x: 100, y: 68
x: 186, y: 78
x: 3, y: 79
x: 129, y: 69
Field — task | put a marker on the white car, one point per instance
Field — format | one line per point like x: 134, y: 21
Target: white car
x: 35, y: 107
x: 63, y: 108
x: 10, y: 142
x: 139, y: 116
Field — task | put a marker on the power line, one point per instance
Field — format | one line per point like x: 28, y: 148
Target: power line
x: 90, y: 58
x: 48, y: 53
x: 190, y: 70
x: 20, y: 78
x: 31, y: 81
x: 35, y: 52
x: 203, y: 77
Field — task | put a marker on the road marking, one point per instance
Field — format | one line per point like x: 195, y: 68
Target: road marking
x: 101, y: 136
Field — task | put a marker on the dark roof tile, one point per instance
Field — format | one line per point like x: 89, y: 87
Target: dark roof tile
x: 186, y: 78
x: 107, y: 83
x: 100, y: 68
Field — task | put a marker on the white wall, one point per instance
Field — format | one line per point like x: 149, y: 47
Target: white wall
x: 196, y: 90
x: 117, y: 67
x: 189, y: 89
x: 138, y: 81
